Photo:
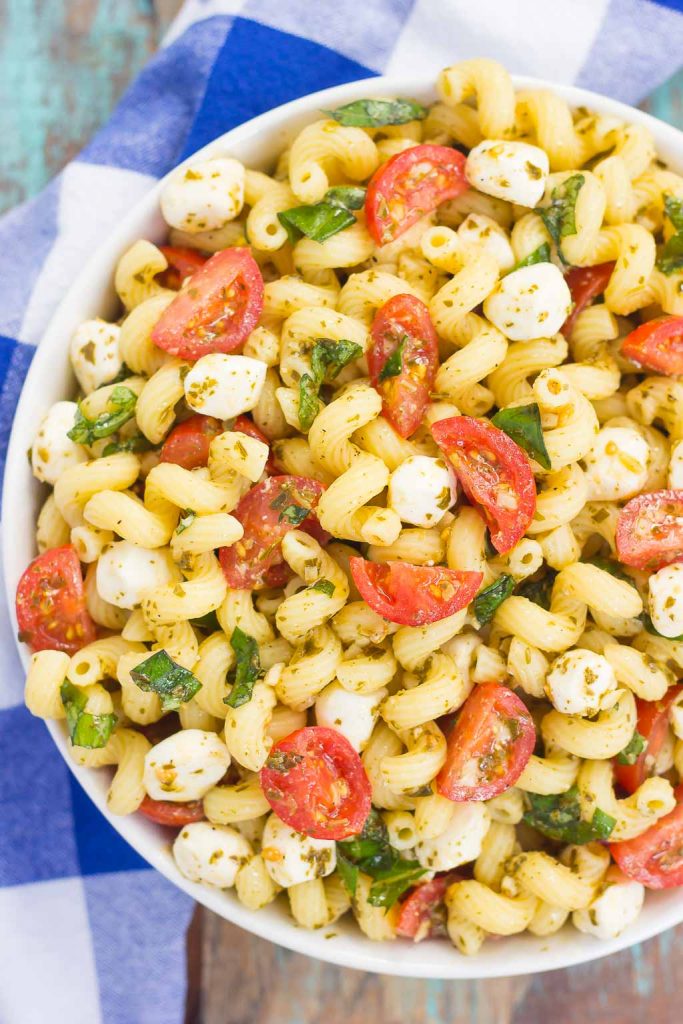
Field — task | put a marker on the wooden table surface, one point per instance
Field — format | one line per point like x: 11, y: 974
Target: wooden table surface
x: 63, y: 64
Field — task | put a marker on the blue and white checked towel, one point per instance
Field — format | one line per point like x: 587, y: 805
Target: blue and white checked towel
x: 88, y: 932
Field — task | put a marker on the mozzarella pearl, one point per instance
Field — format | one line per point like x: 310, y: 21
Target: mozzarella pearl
x: 212, y: 854
x: 580, y: 682
x: 482, y: 232
x: 292, y: 858
x: 616, y: 465
x: 514, y: 171
x: 94, y: 353
x: 204, y: 196
x: 185, y: 765
x: 53, y: 452
x: 531, y: 302
x: 611, y: 913
x: 421, y: 489
x: 126, y: 572
x: 675, y: 480
x: 224, y: 385
x: 665, y: 600
x: 352, y: 714
x: 460, y: 843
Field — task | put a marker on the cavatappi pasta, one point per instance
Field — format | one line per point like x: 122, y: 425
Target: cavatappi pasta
x: 366, y: 518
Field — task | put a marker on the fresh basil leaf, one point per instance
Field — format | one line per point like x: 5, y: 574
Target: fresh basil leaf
x: 670, y: 258
x: 351, y: 197
x: 187, y: 517
x: 160, y: 674
x: 328, y: 359
x: 85, y: 729
x: 136, y: 443
x: 394, y: 364
x: 294, y: 514
x: 323, y: 587
x: 673, y: 208
x: 371, y: 852
x: 390, y: 884
x: 489, y: 599
x: 540, y: 255
x: 309, y: 403
x: 318, y: 221
x: 559, y: 817
x: 122, y: 403
x: 369, y: 842
x: 247, y: 671
x: 632, y: 750
x: 649, y: 628
x: 377, y: 113
x: 523, y: 424
x: 539, y: 591
x: 208, y: 623
x: 560, y: 217
x: 348, y: 872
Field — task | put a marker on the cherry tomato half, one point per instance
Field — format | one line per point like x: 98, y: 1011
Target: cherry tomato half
x: 182, y: 263
x: 585, y: 284
x: 188, y: 444
x: 495, y: 474
x: 423, y: 914
x: 51, y: 609
x: 655, y: 858
x: 247, y: 426
x: 413, y: 595
x: 409, y: 185
x: 403, y: 324
x: 219, y: 309
x: 164, y: 812
x: 653, y: 724
x: 267, y: 512
x: 316, y: 783
x: 650, y: 530
x: 657, y: 345
x: 492, y: 741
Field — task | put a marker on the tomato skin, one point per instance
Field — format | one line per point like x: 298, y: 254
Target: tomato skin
x: 649, y: 531
x: 653, y: 721
x: 418, y: 917
x: 257, y: 558
x: 50, y: 603
x: 247, y: 426
x: 316, y: 783
x: 585, y: 283
x: 657, y: 345
x: 413, y: 595
x: 164, y: 812
x: 474, y: 740
x: 487, y: 461
x: 406, y: 396
x: 414, y: 182
x: 182, y: 263
x: 218, y: 311
x: 655, y: 858
x: 188, y: 444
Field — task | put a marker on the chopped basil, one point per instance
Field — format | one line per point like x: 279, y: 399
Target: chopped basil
x: 523, y: 424
x: 394, y: 364
x: 122, y: 404
x: 539, y: 591
x: 559, y: 817
x: 136, y: 443
x: 371, y: 853
x: 328, y: 359
x: 293, y: 513
x: 324, y: 587
x: 85, y: 729
x: 632, y: 750
x: 320, y: 221
x: 208, y: 623
x: 377, y: 113
x: 560, y: 217
x: 486, y: 602
x: 248, y: 668
x: 540, y: 255
x: 670, y: 258
x: 187, y: 517
x: 160, y: 674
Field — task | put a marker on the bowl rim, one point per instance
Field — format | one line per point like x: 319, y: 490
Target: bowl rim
x: 358, y: 952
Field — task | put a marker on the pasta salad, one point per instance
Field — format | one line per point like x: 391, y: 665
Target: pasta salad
x: 362, y: 559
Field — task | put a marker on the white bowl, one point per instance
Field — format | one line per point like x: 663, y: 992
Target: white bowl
x: 257, y: 143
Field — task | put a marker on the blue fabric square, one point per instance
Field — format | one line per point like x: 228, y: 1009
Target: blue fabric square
x: 15, y: 359
x: 37, y: 840
x: 259, y: 68
x: 100, y: 848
